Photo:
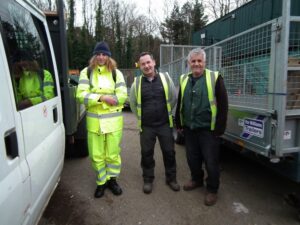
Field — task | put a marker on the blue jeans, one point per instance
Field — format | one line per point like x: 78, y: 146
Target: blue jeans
x: 203, y: 146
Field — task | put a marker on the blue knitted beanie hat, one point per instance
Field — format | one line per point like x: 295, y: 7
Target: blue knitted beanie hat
x: 102, y: 47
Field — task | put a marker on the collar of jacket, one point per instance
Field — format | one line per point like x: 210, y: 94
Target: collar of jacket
x: 101, y: 69
x: 154, y: 77
x: 191, y: 74
x: 28, y: 73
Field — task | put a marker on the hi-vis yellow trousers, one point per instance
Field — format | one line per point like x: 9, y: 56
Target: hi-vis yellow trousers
x: 104, y: 152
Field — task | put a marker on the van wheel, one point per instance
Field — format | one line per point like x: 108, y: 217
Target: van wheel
x: 77, y: 149
x: 81, y: 148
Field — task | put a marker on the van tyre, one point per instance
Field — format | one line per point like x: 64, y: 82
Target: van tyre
x: 77, y: 149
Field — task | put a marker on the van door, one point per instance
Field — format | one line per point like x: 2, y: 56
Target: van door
x: 14, y: 171
x: 37, y: 100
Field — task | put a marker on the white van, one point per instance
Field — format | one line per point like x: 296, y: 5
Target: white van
x: 31, y: 123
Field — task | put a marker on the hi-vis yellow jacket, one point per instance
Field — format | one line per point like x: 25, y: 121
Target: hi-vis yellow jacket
x: 102, y: 118
x: 35, y: 87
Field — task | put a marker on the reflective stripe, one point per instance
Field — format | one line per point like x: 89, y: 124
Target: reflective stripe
x: 213, y: 119
x: 183, y: 82
x: 168, y: 82
x: 48, y: 83
x: 41, y: 81
x: 213, y: 81
x: 84, y: 81
x: 113, y: 166
x: 138, y: 81
x: 101, y: 170
x: 103, y: 178
x: 108, y: 115
x: 121, y: 84
x: 91, y: 78
x: 105, y: 93
x: 211, y: 77
x: 113, y: 174
x: 137, y: 85
x: 86, y: 99
x: 213, y: 102
x: 213, y: 84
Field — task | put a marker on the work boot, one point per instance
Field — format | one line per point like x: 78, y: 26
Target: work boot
x: 99, y: 191
x: 210, y: 199
x: 191, y: 185
x: 174, y: 185
x: 147, y: 188
x: 114, y: 187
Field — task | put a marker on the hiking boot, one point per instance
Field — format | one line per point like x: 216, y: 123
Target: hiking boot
x: 147, y: 188
x: 114, y: 187
x: 210, y: 199
x: 191, y: 185
x: 99, y: 191
x: 174, y: 185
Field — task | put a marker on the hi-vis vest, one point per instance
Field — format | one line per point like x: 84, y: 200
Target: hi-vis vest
x: 166, y: 83
x: 211, y: 77
x: 101, y: 117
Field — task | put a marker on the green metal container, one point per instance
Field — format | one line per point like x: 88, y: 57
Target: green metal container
x: 241, y: 19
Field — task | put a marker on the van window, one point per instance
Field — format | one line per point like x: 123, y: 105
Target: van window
x: 28, y: 54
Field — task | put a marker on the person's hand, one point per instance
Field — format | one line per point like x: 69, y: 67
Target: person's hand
x: 108, y: 99
x: 24, y: 104
x: 179, y: 130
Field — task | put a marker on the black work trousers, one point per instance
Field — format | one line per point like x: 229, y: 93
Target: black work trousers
x: 203, y: 146
x: 166, y: 141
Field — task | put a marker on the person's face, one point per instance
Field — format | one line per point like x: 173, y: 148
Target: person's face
x: 147, y: 65
x: 197, y: 64
x: 101, y: 59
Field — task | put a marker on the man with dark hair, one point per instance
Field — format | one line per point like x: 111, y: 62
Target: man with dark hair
x: 152, y: 97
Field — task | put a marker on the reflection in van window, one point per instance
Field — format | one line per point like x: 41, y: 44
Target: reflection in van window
x: 29, y: 58
x: 32, y: 85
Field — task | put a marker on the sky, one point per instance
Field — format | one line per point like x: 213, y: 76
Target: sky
x: 157, y: 7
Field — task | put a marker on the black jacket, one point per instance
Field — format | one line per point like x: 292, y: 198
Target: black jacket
x: 154, y: 106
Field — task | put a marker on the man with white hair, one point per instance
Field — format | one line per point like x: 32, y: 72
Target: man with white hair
x: 201, y: 114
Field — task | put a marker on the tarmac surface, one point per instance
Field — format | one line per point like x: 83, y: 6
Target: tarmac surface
x: 250, y: 194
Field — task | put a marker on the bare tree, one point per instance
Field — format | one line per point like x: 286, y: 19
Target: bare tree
x: 239, y: 3
x: 168, y: 6
x: 48, y: 5
x: 219, y: 8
